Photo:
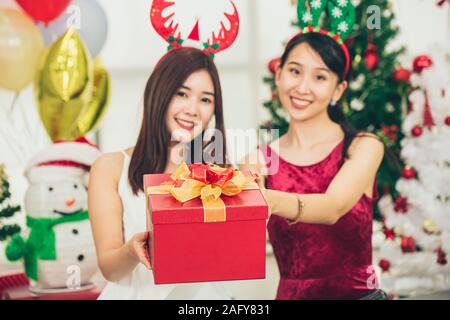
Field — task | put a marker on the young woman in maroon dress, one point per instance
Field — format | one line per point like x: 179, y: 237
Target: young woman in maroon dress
x: 321, y: 180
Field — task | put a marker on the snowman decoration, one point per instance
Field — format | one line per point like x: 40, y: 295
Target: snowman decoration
x: 58, y: 252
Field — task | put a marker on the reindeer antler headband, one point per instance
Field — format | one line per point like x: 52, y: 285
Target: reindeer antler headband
x: 170, y: 33
x: 341, y: 15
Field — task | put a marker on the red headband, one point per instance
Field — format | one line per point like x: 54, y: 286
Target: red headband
x: 216, y: 43
x: 333, y: 36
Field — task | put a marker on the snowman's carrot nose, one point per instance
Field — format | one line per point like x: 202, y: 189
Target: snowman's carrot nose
x: 70, y: 202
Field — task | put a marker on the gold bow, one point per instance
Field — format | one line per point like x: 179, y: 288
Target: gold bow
x: 185, y: 186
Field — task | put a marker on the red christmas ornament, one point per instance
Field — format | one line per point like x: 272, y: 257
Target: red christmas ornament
x: 44, y: 10
x: 409, y: 173
x: 442, y: 260
x: 422, y: 62
x: 371, y: 57
x: 390, y: 131
x: 417, y: 131
x: 385, y: 265
x: 274, y: 95
x: 408, y: 245
x: 389, y: 234
x: 401, y: 205
x: 273, y: 65
x: 402, y: 74
x: 447, y: 120
x: 349, y: 42
x: 441, y: 256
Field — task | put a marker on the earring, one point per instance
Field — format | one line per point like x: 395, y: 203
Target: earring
x: 333, y: 103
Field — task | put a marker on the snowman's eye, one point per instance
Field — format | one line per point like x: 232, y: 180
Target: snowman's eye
x: 50, y: 189
x: 75, y: 186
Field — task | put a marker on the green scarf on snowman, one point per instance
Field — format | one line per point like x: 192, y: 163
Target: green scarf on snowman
x: 41, y: 242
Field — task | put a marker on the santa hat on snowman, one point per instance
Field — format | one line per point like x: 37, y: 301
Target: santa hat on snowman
x: 63, y: 159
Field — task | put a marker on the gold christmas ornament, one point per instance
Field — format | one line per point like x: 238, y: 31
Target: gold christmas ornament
x: 356, y: 60
x: 429, y: 226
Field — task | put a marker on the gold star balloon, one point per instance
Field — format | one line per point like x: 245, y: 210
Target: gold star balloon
x: 93, y: 113
x: 64, y: 85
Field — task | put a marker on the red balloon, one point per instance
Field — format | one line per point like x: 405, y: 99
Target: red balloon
x: 44, y: 10
x: 422, y: 62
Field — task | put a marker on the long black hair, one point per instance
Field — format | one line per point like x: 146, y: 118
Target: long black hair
x: 333, y: 56
x: 150, y: 153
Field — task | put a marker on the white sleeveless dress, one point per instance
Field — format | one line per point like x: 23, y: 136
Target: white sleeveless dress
x: 139, y: 284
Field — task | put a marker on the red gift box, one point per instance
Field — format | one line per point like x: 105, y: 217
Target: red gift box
x: 184, y: 248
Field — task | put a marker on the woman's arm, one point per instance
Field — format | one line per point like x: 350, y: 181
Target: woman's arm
x: 355, y: 176
x: 116, y: 258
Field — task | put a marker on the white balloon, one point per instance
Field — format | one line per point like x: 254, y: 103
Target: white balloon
x: 89, y: 20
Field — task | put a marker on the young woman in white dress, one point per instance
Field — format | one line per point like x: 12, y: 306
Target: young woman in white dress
x: 182, y: 98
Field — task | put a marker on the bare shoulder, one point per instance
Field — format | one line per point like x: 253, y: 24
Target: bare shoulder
x: 108, y: 165
x: 367, y: 143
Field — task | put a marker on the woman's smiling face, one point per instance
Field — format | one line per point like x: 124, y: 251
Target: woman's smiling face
x: 191, y: 107
x: 306, y: 85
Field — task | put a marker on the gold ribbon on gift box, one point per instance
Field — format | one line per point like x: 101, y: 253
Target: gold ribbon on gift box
x: 208, y: 182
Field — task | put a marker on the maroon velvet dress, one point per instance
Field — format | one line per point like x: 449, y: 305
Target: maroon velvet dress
x: 320, y: 261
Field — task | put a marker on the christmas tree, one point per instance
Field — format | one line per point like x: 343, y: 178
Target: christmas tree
x: 413, y: 258
x: 6, y: 210
x: 377, y: 85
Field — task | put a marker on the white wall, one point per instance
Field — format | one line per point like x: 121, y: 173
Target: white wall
x: 422, y: 24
